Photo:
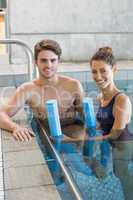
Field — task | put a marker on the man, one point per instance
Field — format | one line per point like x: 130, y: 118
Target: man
x: 49, y: 85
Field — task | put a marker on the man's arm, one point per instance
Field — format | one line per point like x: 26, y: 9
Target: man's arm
x: 16, y: 102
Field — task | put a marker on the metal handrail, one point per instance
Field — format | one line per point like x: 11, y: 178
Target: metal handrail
x: 28, y: 52
x: 69, y: 179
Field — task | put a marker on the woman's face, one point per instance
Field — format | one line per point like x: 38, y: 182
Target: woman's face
x: 102, y: 73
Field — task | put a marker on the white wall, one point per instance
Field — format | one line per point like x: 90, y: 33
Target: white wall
x: 79, y: 26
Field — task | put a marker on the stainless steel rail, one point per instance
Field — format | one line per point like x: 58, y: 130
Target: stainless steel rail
x: 27, y: 51
x: 71, y: 183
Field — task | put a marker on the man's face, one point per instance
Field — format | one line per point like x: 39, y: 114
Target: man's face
x: 47, y: 63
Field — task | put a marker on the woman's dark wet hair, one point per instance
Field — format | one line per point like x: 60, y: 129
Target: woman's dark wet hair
x: 105, y: 54
x: 47, y: 45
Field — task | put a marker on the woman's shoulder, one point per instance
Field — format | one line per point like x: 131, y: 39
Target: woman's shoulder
x: 123, y: 100
x: 121, y: 97
x: 122, y: 108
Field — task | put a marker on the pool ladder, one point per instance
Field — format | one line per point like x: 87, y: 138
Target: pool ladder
x: 31, y: 72
x: 73, y: 186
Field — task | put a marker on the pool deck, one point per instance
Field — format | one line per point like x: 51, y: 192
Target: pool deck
x: 25, y: 173
x: 85, y: 66
x: 17, y: 73
x: 63, y: 67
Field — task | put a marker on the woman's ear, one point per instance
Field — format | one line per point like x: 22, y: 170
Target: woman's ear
x: 114, y: 68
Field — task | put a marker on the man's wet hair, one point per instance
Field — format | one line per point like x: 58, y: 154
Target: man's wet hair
x: 47, y: 45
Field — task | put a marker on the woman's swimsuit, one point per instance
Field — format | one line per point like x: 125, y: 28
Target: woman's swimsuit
x: 106, y: 120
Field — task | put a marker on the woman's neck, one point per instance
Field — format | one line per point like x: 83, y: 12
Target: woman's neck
x: 109, y: 92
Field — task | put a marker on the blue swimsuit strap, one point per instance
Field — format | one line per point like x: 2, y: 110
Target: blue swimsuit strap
x: 113, y: 98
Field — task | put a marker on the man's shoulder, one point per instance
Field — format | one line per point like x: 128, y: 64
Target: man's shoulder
x: 71, y: 80
x: 26, y: 86
x: 70, y: 84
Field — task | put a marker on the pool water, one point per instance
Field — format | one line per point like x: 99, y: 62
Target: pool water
x: 95, y: 184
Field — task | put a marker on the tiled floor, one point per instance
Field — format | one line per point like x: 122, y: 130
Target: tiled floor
x: 26, y: 175
x: 34, y: 193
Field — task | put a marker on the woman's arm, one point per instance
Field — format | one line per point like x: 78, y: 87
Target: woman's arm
x: 122, y: 111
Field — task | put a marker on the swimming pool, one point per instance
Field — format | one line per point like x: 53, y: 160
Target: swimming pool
x: 98, y: 185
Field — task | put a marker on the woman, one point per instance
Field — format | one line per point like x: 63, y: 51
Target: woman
x: 113, y: 116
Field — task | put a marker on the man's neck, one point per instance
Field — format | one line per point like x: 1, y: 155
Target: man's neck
x: 48, y: 81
